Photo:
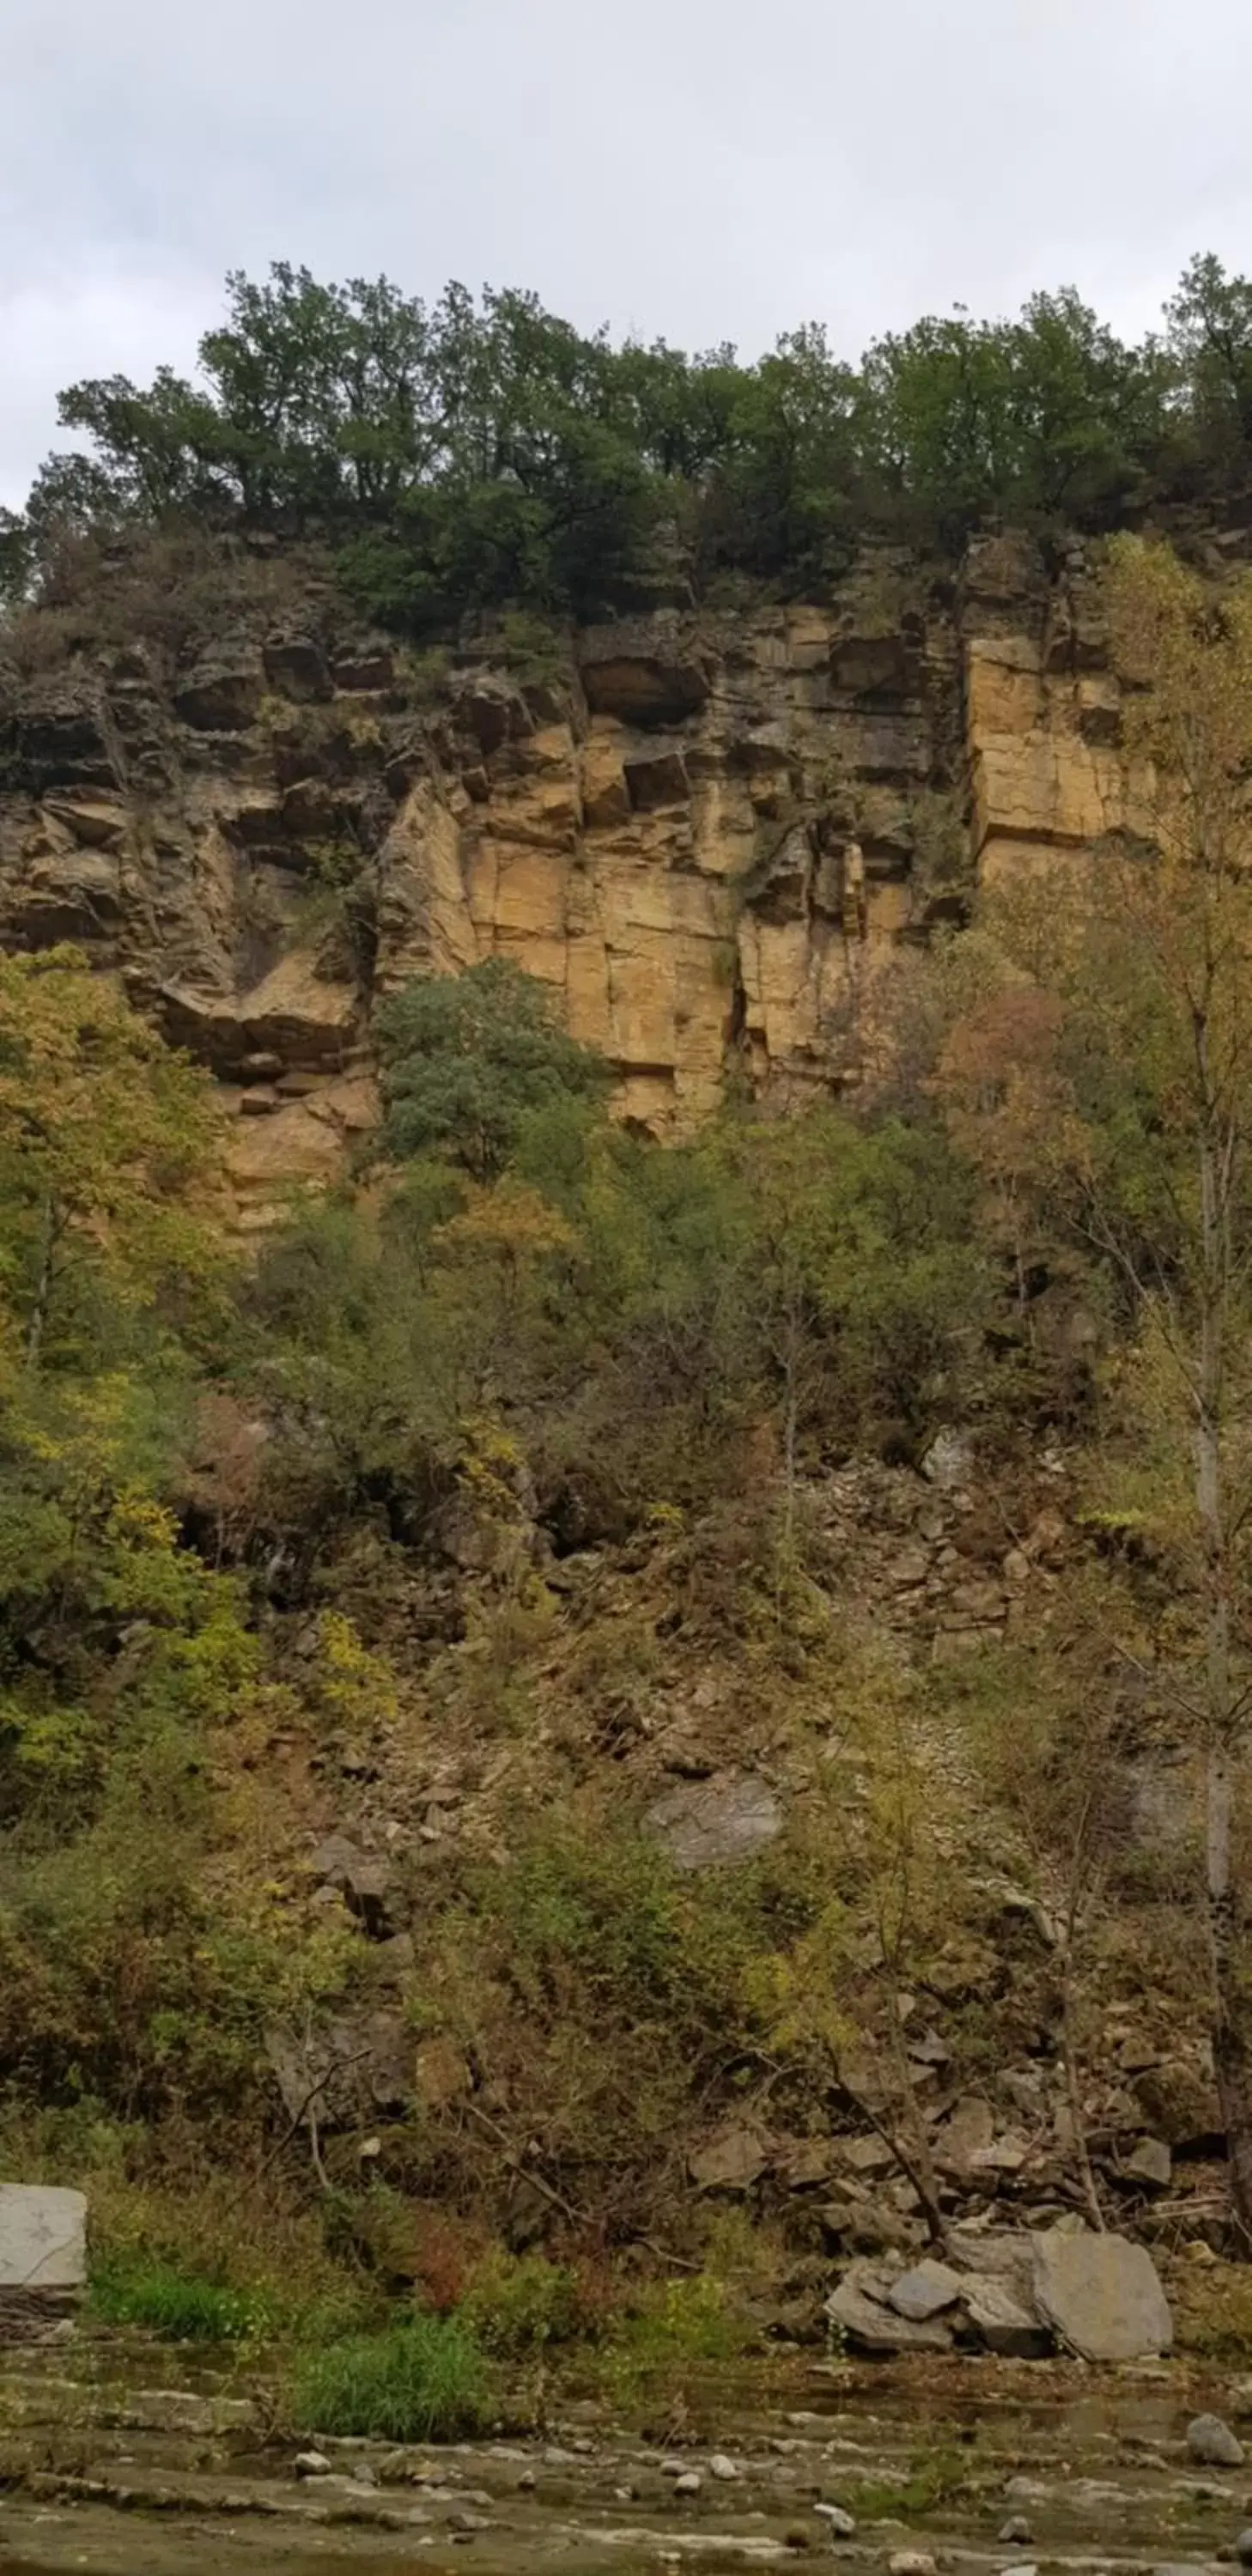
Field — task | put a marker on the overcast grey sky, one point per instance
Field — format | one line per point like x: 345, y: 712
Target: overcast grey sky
x: 704, y: 169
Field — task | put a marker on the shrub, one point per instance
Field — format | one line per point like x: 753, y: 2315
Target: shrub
x: 678, y: 2328
x: 519, y: 2305
x: 422, y: 2381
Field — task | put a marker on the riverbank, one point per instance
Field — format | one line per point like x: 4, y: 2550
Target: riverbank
x: 133, y: 2458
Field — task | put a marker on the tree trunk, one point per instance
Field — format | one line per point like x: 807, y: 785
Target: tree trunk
x: 38, y: 1324
x: 1073, y: 2096
x: 917, y: 2162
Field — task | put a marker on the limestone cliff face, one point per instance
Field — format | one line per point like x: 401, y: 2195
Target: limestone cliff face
x: 664, y: 827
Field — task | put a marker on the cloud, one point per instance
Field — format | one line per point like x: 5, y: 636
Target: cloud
x: 705, y: 169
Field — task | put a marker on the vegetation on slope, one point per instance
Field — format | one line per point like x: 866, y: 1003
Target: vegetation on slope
x: 497, y: 1458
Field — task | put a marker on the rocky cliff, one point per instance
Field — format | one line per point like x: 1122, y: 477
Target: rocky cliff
x: 660, y: 817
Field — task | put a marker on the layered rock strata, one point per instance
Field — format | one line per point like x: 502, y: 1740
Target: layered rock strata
x: 699, y: 830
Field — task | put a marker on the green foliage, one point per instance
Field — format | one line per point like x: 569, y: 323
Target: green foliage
x: 424, y: 2381
x: 1050, y: 414
x: 486, y: 456
x: 518, y: 2306
x: 105, y: 1135
x: 1210, y: 332
x: 469, y: 1058
x: 935, y: 2479
x: 178, y: 2306
x: 676, y: 2330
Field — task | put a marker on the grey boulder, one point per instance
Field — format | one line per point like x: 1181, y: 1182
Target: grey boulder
x: 1002, y: 2322
x: 1101, y: 2296
x: 873, y: 2327
x: 925, y: 2291
x: 1213, y: 2444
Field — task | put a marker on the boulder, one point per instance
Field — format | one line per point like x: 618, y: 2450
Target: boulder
x: 924, y: 2291
x: 1151, y: 2165
x: 362, y: 1883
x: 949, y: 1462
x: 1178, y: 2097
x: 862, y: 2226
x: 1101, y: 2296
x: 1212, y: 2443
x: 1002, y: 2321
x: 870, y: 2155
x: 969, y: 2132
x: 43, y: 2241
x: 731, y: 2160
x: 801, y: 2163
x: 705, y: 1824
x: 875, y: 2328
x: 351, y: 2070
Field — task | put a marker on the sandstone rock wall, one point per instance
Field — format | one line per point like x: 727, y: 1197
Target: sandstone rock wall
x: 288, y: 823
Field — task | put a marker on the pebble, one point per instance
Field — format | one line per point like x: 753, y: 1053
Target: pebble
x: 1212, y: 2443
x: 914, y: 2562
x: 689, y: 2483
x: 841, y: 2525
x: 527, y: 2482
x: 1243, y: 2548
x: 1017, y: 2530
x: 673, y: 2468
x: 312, y: 2464
x: 363, y: 2475
x: 722, y: 2467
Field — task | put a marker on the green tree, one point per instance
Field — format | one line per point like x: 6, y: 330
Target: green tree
x: 467, y: 1059
x: 1209, y: 321
x: 106, y: 1146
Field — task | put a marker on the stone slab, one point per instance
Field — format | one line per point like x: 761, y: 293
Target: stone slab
x: 43, y: 2238
x: 1102, y: 2297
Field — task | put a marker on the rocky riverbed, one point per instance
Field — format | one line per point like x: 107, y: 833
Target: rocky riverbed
x: 131, y: 2459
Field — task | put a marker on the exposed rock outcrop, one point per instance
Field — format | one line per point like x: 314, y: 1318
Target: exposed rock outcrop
x: 700, y: 830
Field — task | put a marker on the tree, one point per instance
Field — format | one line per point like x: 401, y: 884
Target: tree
x: 1148, y: 952
x: 106, y: 1137
x: 468, y: 1058
x: 1210, y: 334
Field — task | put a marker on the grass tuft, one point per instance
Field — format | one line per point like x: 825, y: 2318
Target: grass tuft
x: 174, y: 2304
x: 420, y: 2382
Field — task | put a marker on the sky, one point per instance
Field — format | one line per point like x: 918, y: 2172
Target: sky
x: 701, y: 170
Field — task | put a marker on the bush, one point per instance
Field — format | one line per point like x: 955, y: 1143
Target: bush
x: 519, y: 2305
x: 678, y: 2328
x: 420, y: 2382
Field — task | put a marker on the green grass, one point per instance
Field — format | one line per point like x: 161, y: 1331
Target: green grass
x: 174, y: 2304
x: 935, y: 2479
x: 422, y: 2381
